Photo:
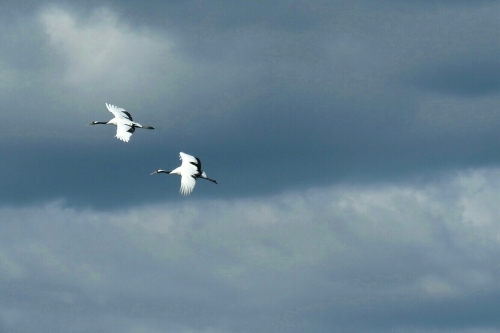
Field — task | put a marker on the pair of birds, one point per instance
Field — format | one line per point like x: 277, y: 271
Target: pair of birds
x: 190, y: 169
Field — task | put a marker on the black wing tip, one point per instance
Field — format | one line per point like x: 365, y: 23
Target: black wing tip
x: 128, y: 115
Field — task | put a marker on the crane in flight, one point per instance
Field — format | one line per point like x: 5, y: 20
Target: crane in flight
x: 125, y: 126
x: 190, y: 171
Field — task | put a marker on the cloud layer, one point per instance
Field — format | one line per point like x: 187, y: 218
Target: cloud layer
x: 355, y: 146
x: 318, y: 260
x: 369, y: 92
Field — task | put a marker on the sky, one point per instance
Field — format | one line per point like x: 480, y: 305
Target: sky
x: 355, y: 145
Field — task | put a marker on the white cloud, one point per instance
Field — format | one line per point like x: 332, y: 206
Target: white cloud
x: 393, y: 213
x: 100, y: 52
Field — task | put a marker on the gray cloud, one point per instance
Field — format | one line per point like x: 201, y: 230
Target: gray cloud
x: 355, y: 146
x: 320, y: 259
x: 372, y: 93
x: 466, y: 78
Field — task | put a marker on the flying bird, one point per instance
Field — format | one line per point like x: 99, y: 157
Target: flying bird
x: 190, y: 170
x: 125, y: 126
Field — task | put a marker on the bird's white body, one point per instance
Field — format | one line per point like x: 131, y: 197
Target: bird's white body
x: 190, y: 170
x: 125, y: 126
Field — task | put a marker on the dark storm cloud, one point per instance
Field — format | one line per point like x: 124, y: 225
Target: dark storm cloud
x: 464, y: 77
x: 195, y: 16
x: 262, y: 93
x: 111, y: 174
x: 355, y: 147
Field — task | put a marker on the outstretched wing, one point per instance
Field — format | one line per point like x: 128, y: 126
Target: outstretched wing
x: 124, y: 131
x: 187, y: 183
x: 191, y: 163
x: 190, y: 172
x: 119, y: 112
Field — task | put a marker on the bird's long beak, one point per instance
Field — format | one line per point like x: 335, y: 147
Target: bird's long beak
x: 152, y: 173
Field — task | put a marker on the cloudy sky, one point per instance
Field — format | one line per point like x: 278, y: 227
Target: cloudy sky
x: 355, y: 145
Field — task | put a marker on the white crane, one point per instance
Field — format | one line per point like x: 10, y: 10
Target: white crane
x: 125, y: 126
x: 190, y: 170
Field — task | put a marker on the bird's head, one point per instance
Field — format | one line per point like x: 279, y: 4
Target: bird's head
x: 159, y: 171
x: 97, y: 122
